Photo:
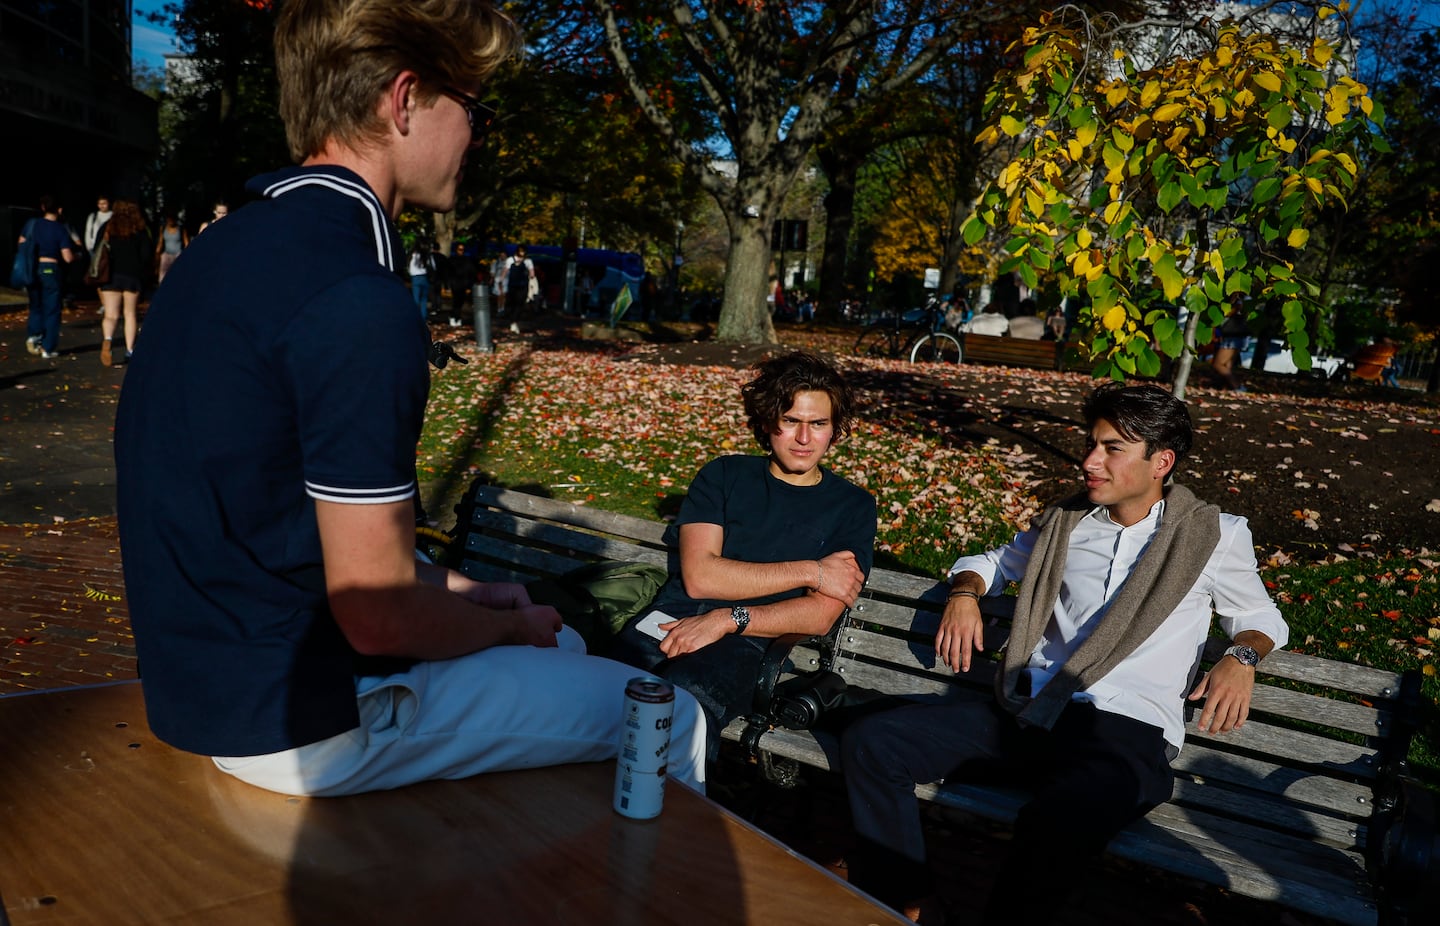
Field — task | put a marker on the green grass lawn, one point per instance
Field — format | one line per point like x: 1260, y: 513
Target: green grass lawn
x: 628, y: 436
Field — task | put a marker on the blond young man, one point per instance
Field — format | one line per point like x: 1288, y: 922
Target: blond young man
x: 265, y: 445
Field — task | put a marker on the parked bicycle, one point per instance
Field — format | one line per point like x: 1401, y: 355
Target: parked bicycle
x: 918, y: 335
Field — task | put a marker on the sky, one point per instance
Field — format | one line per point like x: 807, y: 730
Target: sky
x: 149, y: 43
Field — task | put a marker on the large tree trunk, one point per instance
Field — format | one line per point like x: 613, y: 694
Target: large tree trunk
x: 744, y: 315
x: 841, y: 166
x: 444, y: 226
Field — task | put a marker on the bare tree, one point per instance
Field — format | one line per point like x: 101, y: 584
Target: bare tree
x: 769, y: 80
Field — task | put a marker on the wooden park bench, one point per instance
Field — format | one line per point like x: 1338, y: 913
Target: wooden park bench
x: 1308, y: 806
x: 1010, y: 352
x: 1369, y: 362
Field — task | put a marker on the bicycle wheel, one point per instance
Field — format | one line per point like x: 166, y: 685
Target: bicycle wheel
x: 873, y: 342
x: 935, y: 348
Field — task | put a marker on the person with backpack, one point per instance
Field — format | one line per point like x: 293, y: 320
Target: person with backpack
x: 422, y: 263
x: 52, y: 248
x: 519, y: 271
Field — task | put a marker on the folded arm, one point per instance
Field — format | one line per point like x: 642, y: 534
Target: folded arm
x: 831, y: 584
x: 709, y: 574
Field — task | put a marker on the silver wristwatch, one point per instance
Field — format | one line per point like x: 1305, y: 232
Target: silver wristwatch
x: 741, y: 616
x: 1246, y: 654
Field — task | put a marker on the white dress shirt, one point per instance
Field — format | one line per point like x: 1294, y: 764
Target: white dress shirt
x: 93, y: 223
x: 1151, y: 683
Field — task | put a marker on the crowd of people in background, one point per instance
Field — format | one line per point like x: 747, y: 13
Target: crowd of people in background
x: 114, y: 254
x: 70, y: 265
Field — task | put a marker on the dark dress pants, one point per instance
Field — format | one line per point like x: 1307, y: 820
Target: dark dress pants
x: 1090, y: 776
x: 721, y: 676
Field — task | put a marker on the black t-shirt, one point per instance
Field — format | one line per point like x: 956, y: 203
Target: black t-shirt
x: 768, y: 521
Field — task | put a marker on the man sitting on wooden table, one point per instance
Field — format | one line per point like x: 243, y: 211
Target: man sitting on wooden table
x: 1118, y: 585
x: 265, y: 445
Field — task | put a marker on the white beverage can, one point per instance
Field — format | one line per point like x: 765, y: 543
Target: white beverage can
x: 644, y: 747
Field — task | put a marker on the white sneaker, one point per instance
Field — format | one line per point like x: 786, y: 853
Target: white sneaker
x: 49, y: 355
x: 32, y: 344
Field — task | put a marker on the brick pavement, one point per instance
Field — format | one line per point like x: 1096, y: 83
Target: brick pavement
x: 63, y: 619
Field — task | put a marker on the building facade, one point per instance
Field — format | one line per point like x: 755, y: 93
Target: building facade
x: 72, y: 124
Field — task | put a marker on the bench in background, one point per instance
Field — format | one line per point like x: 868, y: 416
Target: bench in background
x: 1369, y: 362
x: 1308, y: 806
x: 1011, y: 352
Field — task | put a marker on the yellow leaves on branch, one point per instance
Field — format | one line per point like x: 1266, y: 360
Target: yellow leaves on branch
x: 1169, y: 112
x: 1267, y: 80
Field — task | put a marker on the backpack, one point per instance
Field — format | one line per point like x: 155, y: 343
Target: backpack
x: 518, y: 275
x: 27, y: 258
x: 598, y: 599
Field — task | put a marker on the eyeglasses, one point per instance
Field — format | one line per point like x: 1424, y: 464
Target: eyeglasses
x: 481, y: 114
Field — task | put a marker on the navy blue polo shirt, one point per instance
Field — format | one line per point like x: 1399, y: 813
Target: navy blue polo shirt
x: 281, y: 362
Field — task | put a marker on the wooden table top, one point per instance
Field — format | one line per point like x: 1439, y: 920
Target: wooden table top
x: 102, y: 823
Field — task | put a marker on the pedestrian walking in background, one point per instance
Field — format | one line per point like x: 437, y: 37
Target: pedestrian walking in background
x: 52, y: 245
x: 464, y: 271
x: 130, y: 251
x: 219, y: 212
x: 422, y: 261
x: 96, y: 221
x: 173, y: 239
x: 1232, y: 333
x: 519, y: 272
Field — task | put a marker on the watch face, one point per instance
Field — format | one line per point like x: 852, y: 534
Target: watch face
x: 1246, y: 654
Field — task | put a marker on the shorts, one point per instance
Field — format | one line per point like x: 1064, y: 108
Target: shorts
x: 1232, y: 343
x: 121, y: 283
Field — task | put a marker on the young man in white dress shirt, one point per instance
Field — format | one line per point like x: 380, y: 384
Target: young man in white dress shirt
x: 1118, y: 587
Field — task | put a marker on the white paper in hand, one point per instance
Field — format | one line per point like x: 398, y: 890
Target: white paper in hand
x: 650, y: 624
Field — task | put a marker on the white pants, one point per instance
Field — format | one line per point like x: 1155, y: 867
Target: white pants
x: 503, y: 708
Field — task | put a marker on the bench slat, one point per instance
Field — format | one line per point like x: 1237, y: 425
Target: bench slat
x: 531, y: 533
x: 1334, y: 889
x: 534, y: 506
x: 1289, y: 820
x: 1200, y: 761
x: 529, y: 558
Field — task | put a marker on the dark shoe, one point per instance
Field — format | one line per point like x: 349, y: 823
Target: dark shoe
x: 106, y: 358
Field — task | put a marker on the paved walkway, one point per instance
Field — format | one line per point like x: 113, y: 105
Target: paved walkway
x: 63, y: 619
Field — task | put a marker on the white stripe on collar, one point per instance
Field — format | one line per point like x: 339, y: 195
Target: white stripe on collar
x: 357, y: 191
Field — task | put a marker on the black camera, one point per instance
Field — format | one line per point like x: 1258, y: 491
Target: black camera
x: 800, y: 702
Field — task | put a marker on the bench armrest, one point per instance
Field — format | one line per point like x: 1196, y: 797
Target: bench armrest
x: 1405, y: 854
